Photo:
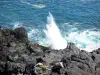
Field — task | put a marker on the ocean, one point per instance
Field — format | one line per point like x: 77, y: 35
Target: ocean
x: 77, y: 20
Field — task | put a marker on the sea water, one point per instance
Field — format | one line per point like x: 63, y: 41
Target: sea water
x: 78, y: 21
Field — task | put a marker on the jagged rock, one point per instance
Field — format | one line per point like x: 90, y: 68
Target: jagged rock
x: 97, y: 71
x: 2, y: 66
x: 36, y: 48
x: 21, y: 34
x: 18, y: 56
x: 56, y: 68
x: 96, y: 56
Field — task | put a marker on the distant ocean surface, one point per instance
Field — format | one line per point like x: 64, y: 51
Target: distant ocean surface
x: 78, y: 20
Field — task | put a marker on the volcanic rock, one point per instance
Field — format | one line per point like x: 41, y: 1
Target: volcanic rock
x: 18, y: 55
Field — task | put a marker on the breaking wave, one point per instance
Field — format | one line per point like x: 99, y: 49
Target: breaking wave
x: 86, y: 39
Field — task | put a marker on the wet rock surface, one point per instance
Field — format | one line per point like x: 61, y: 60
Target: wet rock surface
x: 19, y: 56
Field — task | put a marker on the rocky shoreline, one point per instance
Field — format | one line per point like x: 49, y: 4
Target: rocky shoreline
x: 19, y: 56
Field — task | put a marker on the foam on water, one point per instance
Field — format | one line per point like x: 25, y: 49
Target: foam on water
x: 53, y: 34
x: 86, y: 40
x: 33, y: 5
x: 32, y: 34
x: 36, y: 36
x: 17, y: 25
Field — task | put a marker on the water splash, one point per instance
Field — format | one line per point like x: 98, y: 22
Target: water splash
x: 86, y: 40
x: 53, y: 34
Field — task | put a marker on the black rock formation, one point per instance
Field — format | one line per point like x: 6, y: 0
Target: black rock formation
x: 19, y: 56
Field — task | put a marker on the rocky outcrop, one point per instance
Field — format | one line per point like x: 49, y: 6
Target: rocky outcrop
x: 19, y: 56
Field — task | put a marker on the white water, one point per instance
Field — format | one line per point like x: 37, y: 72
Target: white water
x: 17, y: 25
x: 33, y: 5
x: 53, y: 34
x: 87, y: 40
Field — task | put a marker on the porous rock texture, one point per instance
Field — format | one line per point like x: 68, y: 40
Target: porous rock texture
x: 18, y: 56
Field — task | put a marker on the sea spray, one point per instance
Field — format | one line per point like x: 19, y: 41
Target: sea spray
x: 87, y: 40
x: 53, y: 34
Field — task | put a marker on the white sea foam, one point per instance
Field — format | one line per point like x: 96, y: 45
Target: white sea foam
x: 36, y: 35
x: 17, y: 25
x: 53, y: 34
x: 86, y: 40
x: 33, y: 5
x: 38, y: 5
x: 32, y: 33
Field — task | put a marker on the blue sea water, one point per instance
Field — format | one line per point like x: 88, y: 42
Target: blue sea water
x: 78, y: 20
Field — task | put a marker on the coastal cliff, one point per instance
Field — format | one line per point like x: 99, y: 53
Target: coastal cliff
x: 18, y: 56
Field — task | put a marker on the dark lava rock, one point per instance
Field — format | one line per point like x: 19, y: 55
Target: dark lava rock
x: 21, y: 34
x: 19, y: 56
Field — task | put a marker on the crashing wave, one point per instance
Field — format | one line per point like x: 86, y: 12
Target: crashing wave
x: 53, y: 34
x: 86, y: 40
